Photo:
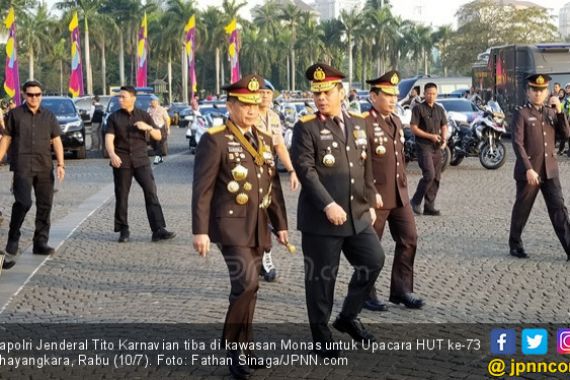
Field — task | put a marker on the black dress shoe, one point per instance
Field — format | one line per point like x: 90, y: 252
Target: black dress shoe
x: 162, y: 234
x: 238, y: 371
x: 433, y: 212
x: 354, y: 328
x: 410, y: 300
x: 375, y: 305
x: 43, y: 249
x: 124, y: 236
x: 416, y: 208
x: 518, y: 252
x: 8, y: 260
x: 12, y: 247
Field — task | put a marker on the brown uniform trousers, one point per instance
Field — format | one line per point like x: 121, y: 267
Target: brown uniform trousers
x: 385, y: 137
x: 242, y: 230
x: 534, y: 133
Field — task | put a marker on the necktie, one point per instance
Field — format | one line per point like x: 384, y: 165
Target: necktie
x: 252, y: 140
x: 340, y: 123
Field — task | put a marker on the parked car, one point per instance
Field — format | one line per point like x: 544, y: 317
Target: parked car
x: 464, y: 107
x: 174, y: 112
x: 70, y: 122
x: 84, y: 103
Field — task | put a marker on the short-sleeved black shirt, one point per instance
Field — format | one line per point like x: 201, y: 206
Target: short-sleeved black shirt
x: 428, y: 119
x: 31, y: 133
x: 130, y: 142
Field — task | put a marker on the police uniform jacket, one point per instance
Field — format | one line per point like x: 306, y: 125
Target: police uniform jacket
x: 348, y: 182
x: 534, y: 134
x: 388, y: 165
x: 215, y: 210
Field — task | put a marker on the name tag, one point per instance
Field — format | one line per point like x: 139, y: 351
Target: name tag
x: 326, y: 137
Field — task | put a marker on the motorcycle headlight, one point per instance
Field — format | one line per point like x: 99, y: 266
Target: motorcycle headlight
x: 73, y: 126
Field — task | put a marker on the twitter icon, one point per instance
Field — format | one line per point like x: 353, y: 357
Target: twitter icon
x: 534, y: 341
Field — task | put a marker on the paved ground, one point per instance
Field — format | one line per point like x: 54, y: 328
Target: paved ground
x: 462, y: 267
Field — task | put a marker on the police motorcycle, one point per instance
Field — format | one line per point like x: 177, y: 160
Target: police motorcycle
x: 410, y: 146
x: 482, y: 138
x: 200, y: 125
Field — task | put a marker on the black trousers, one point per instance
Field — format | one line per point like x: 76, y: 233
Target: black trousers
x: 244, y: 266
x: 526, y: 195
x: 143, y: 175
x: 42, y: 183
x: 429, y: 160
x: 158, y: 145
x: 403, y: 230
x: 322, y: 256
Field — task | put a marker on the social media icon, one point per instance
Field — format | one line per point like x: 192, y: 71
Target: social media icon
x: 563, y: 341
x: 534, y: 341
x: 503, y: 342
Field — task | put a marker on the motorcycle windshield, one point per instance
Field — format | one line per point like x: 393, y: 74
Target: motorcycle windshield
x: 494, y: 107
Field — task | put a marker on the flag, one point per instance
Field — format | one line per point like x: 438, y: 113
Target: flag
x: 190, y: 30
x: 233, y: 50
x: 142, y: 54
x: 76, y: 75
x: 11, y: 74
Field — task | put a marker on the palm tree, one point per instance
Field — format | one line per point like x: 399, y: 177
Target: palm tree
x: 365, y: 46
x: 425, y: 41
x: 34, y: 34
x: 292, y: 17
x: 331, y: 37
x: 212, y: 28
x: 350, y: 21
x: 311, y: 41
x: 58, y: 55
x: 266, y: 17
x: 384, y: 31
x: 441, y: 39
x: 254, y: 50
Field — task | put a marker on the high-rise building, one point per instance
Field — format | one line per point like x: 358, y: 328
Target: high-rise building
x: 330, y: 9
x: 564, y: 20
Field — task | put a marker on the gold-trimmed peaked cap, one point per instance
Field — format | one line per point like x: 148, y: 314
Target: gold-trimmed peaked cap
x: 323, y: 77
x: 538, y: 80
x: 387, y: 83
x: 246, y: 90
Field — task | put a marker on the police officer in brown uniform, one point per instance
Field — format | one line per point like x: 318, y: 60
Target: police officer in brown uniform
x: 386, y: 139
x: 534, y: 130
x: 331, y: 156
x: 236, y: 193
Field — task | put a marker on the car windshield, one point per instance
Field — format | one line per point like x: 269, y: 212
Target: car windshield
x: 458, y: 105
x: 207, y: 110
x: 142, y: 102
x: 60, y: 107
x: 405, y: 87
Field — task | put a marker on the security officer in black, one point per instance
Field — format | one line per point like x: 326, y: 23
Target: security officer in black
x: 535, y: 127
x: 331, y: 156
x: 429, y: 125
x: 126, y: 144
x: 31, y: 132
x: 386, y: 138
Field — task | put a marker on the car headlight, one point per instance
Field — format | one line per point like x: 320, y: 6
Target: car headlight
x: 74, y: 125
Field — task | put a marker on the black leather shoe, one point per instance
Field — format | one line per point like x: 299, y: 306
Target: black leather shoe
x: 416, y: 208
x: 238, y: 371
x: 43, y: 249
x: 375, y: 305
x: 8, y: 260
x: 518, y: 252
x: 354, y: 328
x: 162, y: 234
x: 433, y: 212
x: 410, y: 300
x: 12, y: 247
x: 124, y: 236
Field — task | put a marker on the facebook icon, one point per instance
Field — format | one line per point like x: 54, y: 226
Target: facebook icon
x: 503, y: 342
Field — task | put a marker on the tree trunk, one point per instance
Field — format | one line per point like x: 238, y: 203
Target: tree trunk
x: 349, y: 61
x: 103, y: 68
x: 184, y: 67
x: 121, y: 57
x: 31, y: 63
x: 88, y: 61
x: 293, y: 69
x: 222, y: 71
x: 426, y: 69
x: 61, y: 77
x: 217, y: 71
x: 170, y: 76
x: 288, y: 73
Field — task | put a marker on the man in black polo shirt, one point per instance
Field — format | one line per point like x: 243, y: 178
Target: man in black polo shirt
x: 429, y: 125
x: 31, y: 131
x: 126, y: 144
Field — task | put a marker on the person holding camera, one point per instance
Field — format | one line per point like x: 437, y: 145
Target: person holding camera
x: 429, y: 125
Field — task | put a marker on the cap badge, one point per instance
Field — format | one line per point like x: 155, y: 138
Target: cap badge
x: 253, y: 85
x: 394, y: 80
x: 319, y: 74
x: 540, y: 79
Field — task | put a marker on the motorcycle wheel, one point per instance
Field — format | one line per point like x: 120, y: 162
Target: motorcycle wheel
x: 445, y: 158
x: 456, y: 159
x: 493, y: 161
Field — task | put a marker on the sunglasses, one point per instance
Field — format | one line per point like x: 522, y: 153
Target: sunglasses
x: 33, y: 95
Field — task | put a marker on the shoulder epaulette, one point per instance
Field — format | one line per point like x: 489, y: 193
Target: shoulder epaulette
x: 356, y: 114
x: 215, y: 130
x: 263, y: 132
x: 306, y: 118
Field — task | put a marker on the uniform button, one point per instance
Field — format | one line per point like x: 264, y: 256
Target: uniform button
x: 397, y: 176
x: 231, y: 212
x: 347, y: 148
x: 396, y: 153
x: 352, y: 180
x: 544, y: 133
x: 351, y: 164
x: 352, y: 197
x: 545, y: 154
x: 261, y: 190
x: 374, y: 181
x: 545, y: 144
x: 397, y: 164
x: 258, y: 175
